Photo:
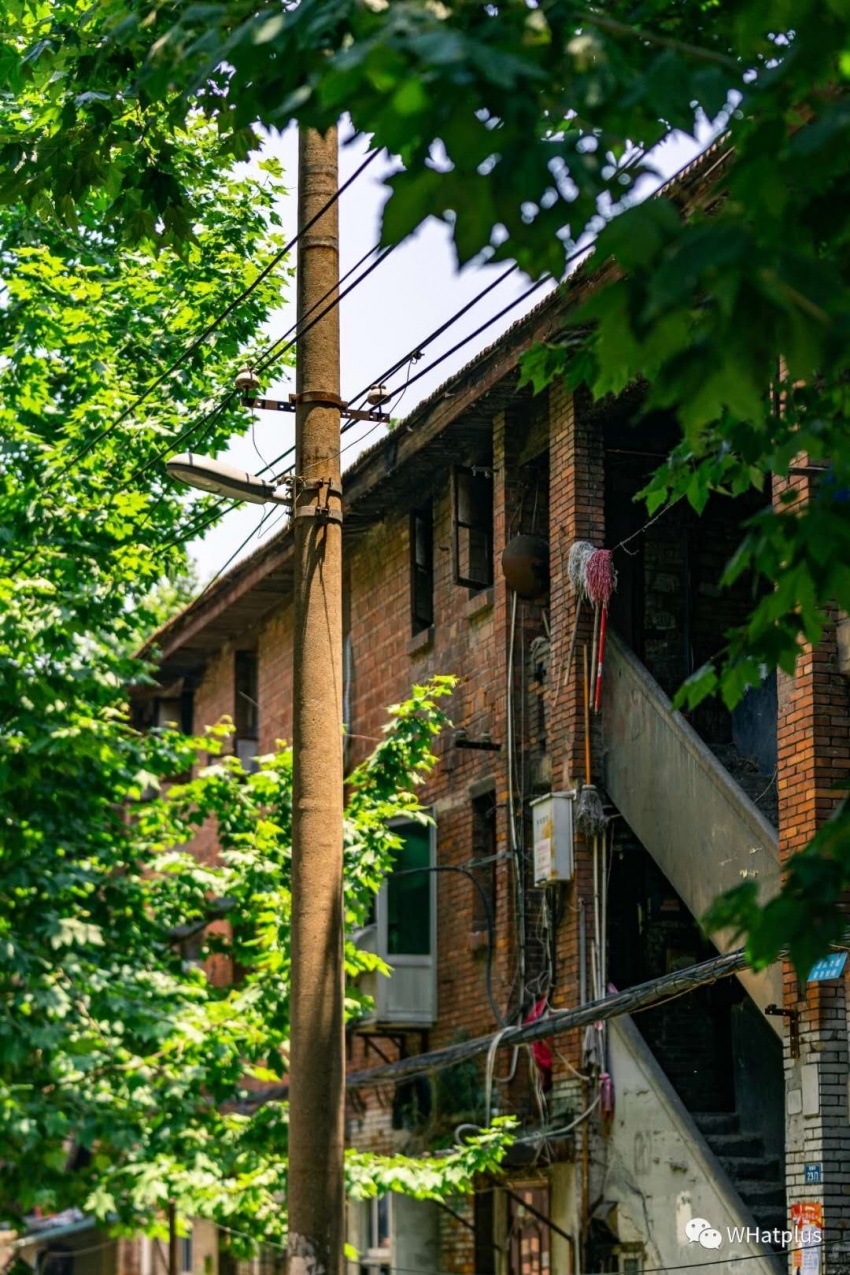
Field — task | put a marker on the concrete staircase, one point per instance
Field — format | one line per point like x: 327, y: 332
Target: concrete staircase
x: 757, y: 1177
x: 759, y: 787
x: 665, y: 1166
x: 683, y: 805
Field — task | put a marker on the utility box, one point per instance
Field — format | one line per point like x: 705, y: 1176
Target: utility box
x: 552, y: 837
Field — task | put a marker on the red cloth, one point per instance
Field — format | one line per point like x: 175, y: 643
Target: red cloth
x: 542, y: 1049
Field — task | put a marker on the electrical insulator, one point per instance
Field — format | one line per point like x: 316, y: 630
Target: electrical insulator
x: 378, y: 395
x: 247, y: 380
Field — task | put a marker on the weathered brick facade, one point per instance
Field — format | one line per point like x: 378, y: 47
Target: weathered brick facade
x: 813, y: 768
x: 551, y: 462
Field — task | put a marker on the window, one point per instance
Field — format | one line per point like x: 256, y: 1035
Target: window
x: 184, y: 1253
x: 528, y: 1232
x: 484, y: 847
x: 175, y: 712
x: 473, y: 527
x: 409, y: 894
x: 375, y: 1259
x: 246, y: 709
x: 403, y: 933
x: 422, y: 568
x: 485, y: 1245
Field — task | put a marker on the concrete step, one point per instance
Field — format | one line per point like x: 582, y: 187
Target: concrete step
x: 734, y: 1146
x: 766, y: 1194
x: 760, y: 1167
x: 771, y: 1219
x: 712, y: 1122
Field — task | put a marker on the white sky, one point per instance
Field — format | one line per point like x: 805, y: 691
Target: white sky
x: 409, y: 295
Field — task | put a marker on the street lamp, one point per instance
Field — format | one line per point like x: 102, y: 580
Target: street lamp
x: 225, y: 480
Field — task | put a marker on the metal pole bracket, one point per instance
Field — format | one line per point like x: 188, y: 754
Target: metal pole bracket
x: 331, y: 486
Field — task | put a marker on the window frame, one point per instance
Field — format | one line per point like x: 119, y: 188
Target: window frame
x: 376, y: 1259
x: 404, y: 959
x: 481, y: 524
x: 422, y: 515
x: 483, y: 804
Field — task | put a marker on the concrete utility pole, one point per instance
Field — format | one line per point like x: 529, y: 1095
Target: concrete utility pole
x: 317, y: 1048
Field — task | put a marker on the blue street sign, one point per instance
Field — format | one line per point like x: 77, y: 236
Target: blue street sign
x: 828, y: 967
x: 813, y: 1173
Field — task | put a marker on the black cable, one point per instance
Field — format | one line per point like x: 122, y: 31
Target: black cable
x: 483, y: 327
x: 261, y: 367
x: 438, y: 332
x: 236, y: 552
x: 491, y: 938
x: 366, y: 255
x: 654, y: 991
x: 216, y: 412
x: 216, y: 323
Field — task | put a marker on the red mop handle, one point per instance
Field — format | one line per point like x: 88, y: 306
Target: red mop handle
x: 597, y: 697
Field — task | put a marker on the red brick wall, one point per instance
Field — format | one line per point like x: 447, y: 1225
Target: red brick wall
x: 813, y: 766
x: 576, y: 504
x: 470, y: 638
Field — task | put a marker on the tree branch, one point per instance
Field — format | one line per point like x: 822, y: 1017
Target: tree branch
x: 613, y: 27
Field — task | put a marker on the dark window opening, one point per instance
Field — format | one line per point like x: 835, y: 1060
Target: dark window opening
x: 473, y: 527
x: 484, y: 847
x: 175, y: 712
x: 485, y: 1247
x: 422, y: 568
x: 246, y: 708
x: 409, y: 894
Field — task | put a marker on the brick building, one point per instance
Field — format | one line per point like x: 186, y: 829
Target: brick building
x: 702, y: 1107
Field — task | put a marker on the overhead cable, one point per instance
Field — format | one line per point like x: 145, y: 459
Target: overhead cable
x: 630, y: 1001
x: 211, y: 327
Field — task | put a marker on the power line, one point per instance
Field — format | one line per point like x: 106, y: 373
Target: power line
x: 438, y: 332
x: 215, y: 412
x: 214, y: 324
x: 266, y: 356
x: 482, y: 328
x: 641, y: 996
x: 236, y: 552
x: 291, y: 344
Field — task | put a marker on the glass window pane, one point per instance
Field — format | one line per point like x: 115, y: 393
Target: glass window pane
x: 409, y: 897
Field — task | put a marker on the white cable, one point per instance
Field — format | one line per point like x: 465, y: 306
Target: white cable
x: 567, y: 1128
x: 488, y: 1073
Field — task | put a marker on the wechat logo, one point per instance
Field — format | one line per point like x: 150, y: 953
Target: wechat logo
x: 699, y: 1231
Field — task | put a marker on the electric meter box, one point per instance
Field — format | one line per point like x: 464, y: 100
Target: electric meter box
x: 552, y: 837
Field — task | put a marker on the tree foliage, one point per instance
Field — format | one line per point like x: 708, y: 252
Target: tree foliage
x: 128, y: 1046
x: 122, y: 1067
x: 525, y: 126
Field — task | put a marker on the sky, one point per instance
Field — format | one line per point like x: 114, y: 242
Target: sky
x: 409, y: 295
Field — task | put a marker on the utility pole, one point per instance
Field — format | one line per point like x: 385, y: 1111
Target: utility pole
x: 173, y: 1265
x: 315, y: 1192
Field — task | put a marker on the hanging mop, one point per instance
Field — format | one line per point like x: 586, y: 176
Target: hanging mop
x: 590, y: 815
x: 580, y: 554
x: 600, y: 583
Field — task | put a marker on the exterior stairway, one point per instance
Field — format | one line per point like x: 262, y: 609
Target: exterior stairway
x: 665, y: 1166
x: 757, y: 1177
x: 696, y: 822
